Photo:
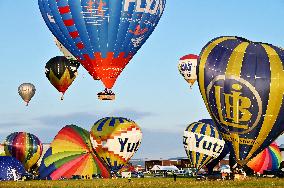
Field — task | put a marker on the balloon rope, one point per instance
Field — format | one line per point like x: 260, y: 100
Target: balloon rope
x: 62, y: 97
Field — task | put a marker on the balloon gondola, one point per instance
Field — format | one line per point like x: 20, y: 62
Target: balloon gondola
x: 106, y: 95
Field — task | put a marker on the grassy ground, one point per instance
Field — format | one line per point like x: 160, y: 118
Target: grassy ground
x: 150, y: 182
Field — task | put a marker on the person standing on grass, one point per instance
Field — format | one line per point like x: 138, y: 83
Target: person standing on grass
x: 175, y: 176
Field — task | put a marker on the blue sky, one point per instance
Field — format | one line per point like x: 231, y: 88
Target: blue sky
x: 150, y: 89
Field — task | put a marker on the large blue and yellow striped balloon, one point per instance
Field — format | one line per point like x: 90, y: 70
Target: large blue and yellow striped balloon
x: 242, y: 86
x: 202, y: 143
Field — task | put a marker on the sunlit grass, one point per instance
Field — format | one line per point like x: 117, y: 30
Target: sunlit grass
x: 150, y: 182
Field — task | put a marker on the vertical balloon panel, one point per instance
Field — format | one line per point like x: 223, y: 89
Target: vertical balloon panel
x: 240, y: 82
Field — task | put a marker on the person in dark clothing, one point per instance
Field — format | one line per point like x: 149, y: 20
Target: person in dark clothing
x: 175, y: 177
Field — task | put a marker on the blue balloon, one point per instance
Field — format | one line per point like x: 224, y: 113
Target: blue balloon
x: 103, y: 35
x: 10, y: 168
x: 241, y: 85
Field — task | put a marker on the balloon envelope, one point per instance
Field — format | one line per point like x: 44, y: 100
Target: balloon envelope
x: 187, y: 68
x: 115, y: 140
x: 25, y: 147
x: 10, y: 169
x: 26, y: 91
x: 226, y: 150
x: 64, y: 51
x: 103, y: 35
x: 61, y: 72
x: 268, y: 159
x: 241, y: 85
x: 202, y: 143
x: 71, y: 153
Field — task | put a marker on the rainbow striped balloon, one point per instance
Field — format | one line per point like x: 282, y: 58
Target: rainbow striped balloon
x: 115, y: 140
x: 71, y: 153
x: 25, y: 147
x: 268, y: 159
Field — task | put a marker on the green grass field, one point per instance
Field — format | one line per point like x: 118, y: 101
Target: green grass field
x: 150, y: 182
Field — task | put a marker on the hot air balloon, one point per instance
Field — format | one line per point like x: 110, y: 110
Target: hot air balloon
x: 26, y: 91
x: 11, y: 169
x: 226, y: 150
x: 268, y: 159
x: 241, y: 83
x: 202, y: 143
x: 103, y: 35
x: 64, y: 51
x: 71, y: 154
x: 61, y: 72
x: 115, y: 140
x: 25, y: 147
x: 187, y: 68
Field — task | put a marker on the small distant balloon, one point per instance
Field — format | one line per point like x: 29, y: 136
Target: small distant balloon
x: 26, y: 91
x: 187, y: 67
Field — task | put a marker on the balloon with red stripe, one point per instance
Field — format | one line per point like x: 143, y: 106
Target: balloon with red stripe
x: 103, y: 35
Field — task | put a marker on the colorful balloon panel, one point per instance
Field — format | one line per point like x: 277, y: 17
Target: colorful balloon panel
x: 26, y: 91
x: 269, y: 159
x: 11, y: 169
x: 241, y: 84
x: 103, y: 35
x: 61, y: 72
x: 115, y: 140
x: 71, y: 153
x: 25, y: 147
x: 187, y: 68
x: 202, y: 143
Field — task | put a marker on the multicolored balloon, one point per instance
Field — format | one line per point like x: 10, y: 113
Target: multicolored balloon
x: 71, y: 153
x: 26, y: 91
x: 103, y: 35
x: 241, y: 85
x: 187, y: 68
x: 115, y: 140
x: 61, y: 72
x: 11, y: 169
x: 269, y: 159
x: 202, y: 143
x: 25, y: 147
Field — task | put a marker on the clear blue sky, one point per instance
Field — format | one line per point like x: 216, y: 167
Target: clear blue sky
x: 150, y: 89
